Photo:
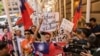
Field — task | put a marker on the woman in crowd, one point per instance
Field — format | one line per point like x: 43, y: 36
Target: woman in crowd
x: 7, y: 36
x: 26, y: 44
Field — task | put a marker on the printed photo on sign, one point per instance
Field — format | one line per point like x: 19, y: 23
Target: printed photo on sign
x: 59, y: 38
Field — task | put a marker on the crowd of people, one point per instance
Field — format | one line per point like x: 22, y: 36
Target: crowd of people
x: 81, y: 42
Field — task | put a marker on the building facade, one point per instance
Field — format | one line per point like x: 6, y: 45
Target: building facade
x: 65, y: 9
x: 61, y: 6
x: 12, y: 6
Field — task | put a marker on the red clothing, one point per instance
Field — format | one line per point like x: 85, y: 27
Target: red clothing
x: 8, y: 37
x: 54, y: 50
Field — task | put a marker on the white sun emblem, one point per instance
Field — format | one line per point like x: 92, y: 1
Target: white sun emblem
x: 41, y: 47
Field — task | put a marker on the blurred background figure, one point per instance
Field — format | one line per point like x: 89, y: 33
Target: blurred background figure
x: 7, y: 36
x: 4, y: 49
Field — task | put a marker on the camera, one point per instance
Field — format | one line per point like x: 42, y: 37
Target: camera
x: 77, y: 46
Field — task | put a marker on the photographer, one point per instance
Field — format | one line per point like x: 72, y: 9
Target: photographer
x: 95, y: 29
x: 96, y: 53
x: 79, y: 43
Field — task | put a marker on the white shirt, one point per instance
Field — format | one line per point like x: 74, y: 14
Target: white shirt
x: 19, y: 40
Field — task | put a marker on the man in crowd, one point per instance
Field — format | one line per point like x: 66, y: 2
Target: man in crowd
x: 18, y: 39
x: 47, y: 36
x: 95, y: 29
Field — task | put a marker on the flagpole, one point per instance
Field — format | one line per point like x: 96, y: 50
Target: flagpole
x: 9, y: 20
x: 88, y: 10
x: 72, y: 9
x: 64, y: 8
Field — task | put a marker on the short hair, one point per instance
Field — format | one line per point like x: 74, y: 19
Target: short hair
x: 93, y: 19
x: 27, y: 30
x: 45, y: 33
x: 3, y: 44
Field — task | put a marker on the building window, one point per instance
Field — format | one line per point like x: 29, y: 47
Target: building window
x: 15, y: 8
x: 2, y: 9
x: 16, y: 4
x: 10, y: 9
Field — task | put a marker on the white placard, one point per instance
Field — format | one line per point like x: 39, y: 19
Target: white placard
x: 67, y: 25
x: 50, y: 22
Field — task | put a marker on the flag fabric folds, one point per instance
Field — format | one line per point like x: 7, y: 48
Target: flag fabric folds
x: 19, y: 21
x: 55, y: 50
x: 77, y: 15
x: 26, y: 12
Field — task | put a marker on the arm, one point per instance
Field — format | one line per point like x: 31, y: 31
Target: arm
x: 37, y: 29
x: 23, y: 54
x: 85, y: 54
x: 97, y: 33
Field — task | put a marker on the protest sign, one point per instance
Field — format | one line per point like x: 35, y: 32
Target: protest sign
x: 66, y: 25
x: 50, y: 22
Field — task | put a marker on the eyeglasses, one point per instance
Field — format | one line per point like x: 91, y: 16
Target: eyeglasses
x: 26, y: 33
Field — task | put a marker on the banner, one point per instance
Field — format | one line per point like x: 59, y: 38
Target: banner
x: 50, y: 22
x: 67, y: 25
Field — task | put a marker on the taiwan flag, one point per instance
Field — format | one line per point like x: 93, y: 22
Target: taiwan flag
x: 55, y: 50
x: 77, y: 15
x: 26, y: 12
